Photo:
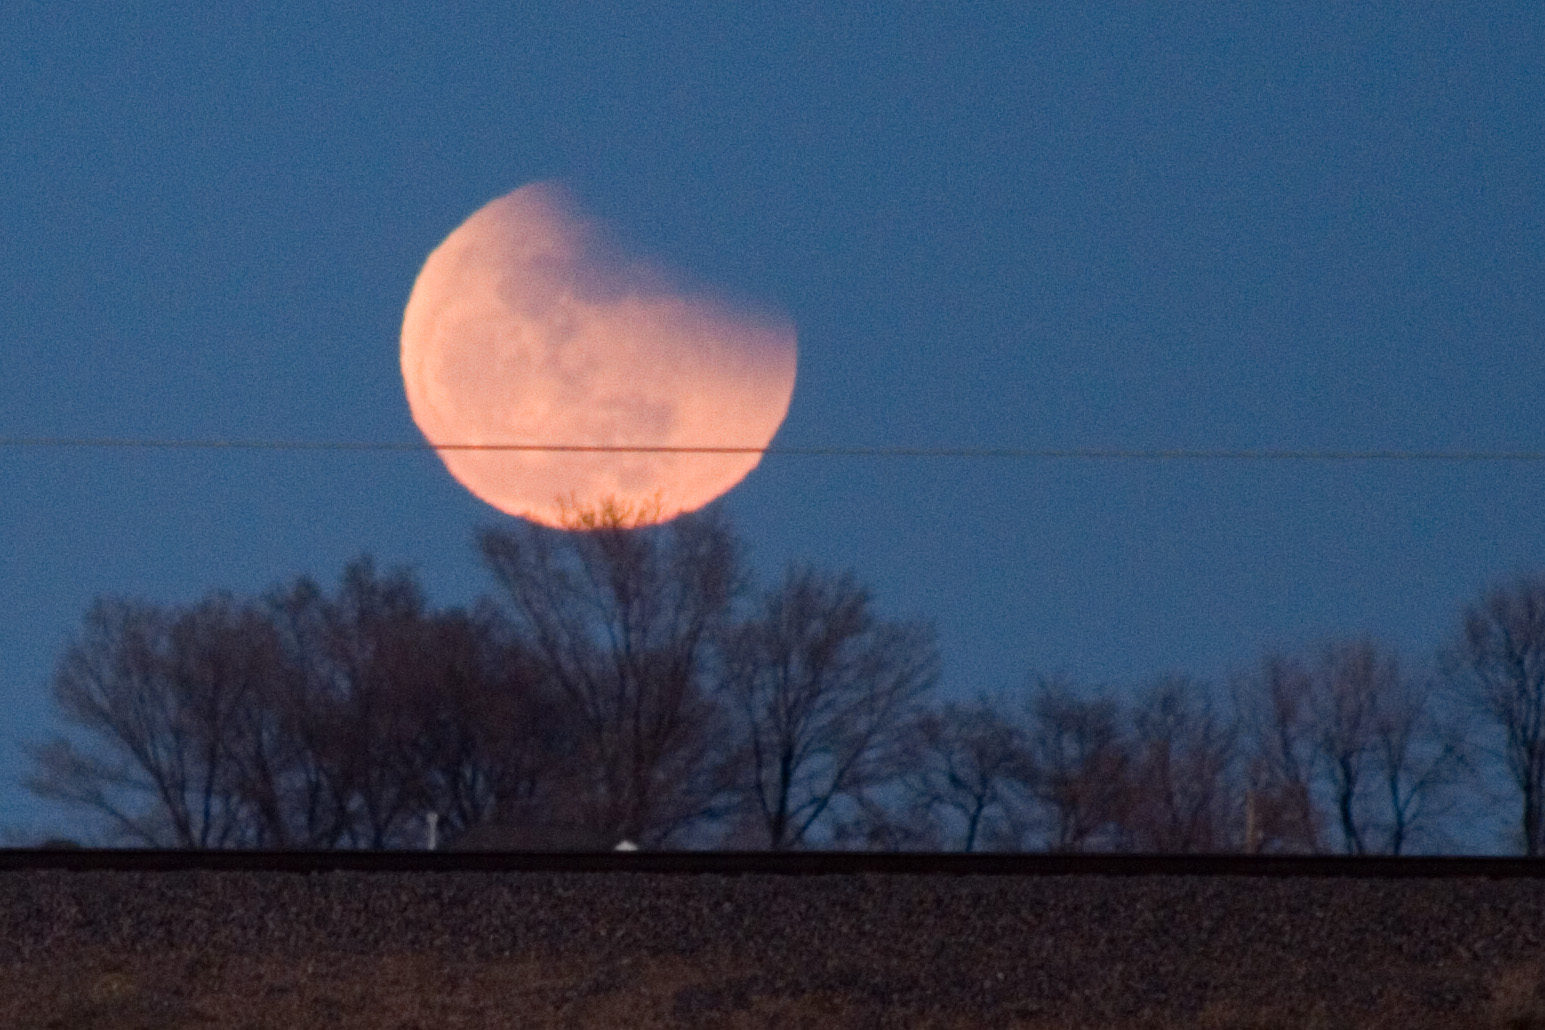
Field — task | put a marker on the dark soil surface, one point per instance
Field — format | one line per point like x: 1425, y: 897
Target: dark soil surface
x: 394, y: 951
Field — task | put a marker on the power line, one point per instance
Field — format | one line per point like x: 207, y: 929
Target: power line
x: 1021, y: 453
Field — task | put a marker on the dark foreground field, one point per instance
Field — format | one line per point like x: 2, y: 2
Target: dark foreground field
x: 104, y: 950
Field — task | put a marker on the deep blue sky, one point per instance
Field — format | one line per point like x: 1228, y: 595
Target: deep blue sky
x: 1065, y: 225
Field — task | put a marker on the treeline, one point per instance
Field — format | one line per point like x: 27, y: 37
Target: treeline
x: 636, y: 684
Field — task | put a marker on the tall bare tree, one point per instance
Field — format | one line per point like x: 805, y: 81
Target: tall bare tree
x: 157, y: 692
x: 1387, y: 759
x: 311, y: 719
x: 1081, y: 765
x: 1345, y: 736
x: 360, y: 657
x: 1352, y: 682
x: 621, y: 618
x: 1499, y: 663
x: 1421, y: 755
x: 493, y: 746
x: 969, y: 765
x: 1184, y: 795
x: 823, y: 688
x: 1274, y: 705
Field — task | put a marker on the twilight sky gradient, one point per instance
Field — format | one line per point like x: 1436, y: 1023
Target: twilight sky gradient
x: 1066, y: 225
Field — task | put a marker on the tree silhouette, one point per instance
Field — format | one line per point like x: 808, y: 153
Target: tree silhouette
x: 1081, y: 765
x: 622, y: 618
x: 822, y: 688
x: 1499, y: 665
x: 158, y: 693
x: 1184, y: 792
x: 970, y: 764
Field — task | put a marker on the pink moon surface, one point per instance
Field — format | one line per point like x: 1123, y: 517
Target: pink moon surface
x: 527, y: 327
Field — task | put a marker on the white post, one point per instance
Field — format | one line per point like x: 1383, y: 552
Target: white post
x: 433, y: 819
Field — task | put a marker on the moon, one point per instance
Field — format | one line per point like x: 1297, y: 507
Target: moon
x: 528, y: 327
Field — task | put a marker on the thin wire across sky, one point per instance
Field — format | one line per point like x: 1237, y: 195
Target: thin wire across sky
x: 1010, y: 453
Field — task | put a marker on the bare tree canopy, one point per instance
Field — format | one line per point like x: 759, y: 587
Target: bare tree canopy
x: 394, y: 710
x: 630, y: 682
x: 1385, y: 759
x: 622, y: 619
x: 494, y: 745
x: 1081, y: 765
x: 159, y: 693
x: 1350, y: 685
x: 1184, y: 796
x: 822, y: 688
x: 969, y: 765
x: 361, y: 653
x: 1276, y: 724
x: 1500, y: 669
x: 1422, y: 754
x: 303, y: 720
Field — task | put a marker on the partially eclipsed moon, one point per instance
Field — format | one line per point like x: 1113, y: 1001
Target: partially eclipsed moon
x: 526, y: 328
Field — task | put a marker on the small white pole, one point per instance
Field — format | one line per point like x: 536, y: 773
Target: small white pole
x: 433, y: 819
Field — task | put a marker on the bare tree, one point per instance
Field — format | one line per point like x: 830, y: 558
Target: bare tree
x: 1351, y: 682
x: 621, y: 618
x: 1421, y: 755
x: 1349, y: 729
x: 1499, y: 662
x: 1276, y: 722
x: 822, y: 687
x: 1184, y: 795
x: 1081, y: 766
x: 970, y: 764
x: 376, y: 650
x: 311, y: 719
x: 337, y: 745
x: 1387, y: 759
x: 493, y: 747
x: 157, y: 691
x: 358, y: 660
x: 291, y: 769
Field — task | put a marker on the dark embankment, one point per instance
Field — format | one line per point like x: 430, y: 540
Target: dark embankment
x: 545, y: 941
